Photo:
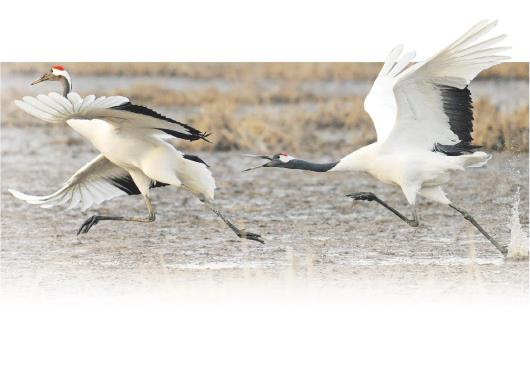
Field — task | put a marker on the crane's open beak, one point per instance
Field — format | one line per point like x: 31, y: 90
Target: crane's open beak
x: 45, y: 77
x: 259, y: 156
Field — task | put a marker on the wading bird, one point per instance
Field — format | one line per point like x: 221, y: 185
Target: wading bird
x: 57, y: 73
x: 423, y: 116
x: 138, y: 152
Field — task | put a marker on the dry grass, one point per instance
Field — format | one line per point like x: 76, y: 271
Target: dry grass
x: 291, y: 128
x: 246, y: 71
x: 335, y: 125
x: 507, y: 70
x: 283, y: 116
x: 248, y: 132
x: 241, y: 94
x: 277, y: 129
x: 500, y: 131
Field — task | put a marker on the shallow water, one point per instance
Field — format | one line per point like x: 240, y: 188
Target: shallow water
x: 314, y: 236
x: 518, y: 246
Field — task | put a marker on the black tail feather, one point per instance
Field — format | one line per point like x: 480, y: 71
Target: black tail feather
x: 455, y: 150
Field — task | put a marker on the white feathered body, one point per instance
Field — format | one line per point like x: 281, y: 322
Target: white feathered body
x: 422, y: 114
x: 412, y: 170
x: 146, y: 151
x: 136, y: 145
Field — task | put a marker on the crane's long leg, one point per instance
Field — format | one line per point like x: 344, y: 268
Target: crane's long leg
x: 93, y: 220
x: 468, y: 217
x: 239, y: 232
x: 368, y: 196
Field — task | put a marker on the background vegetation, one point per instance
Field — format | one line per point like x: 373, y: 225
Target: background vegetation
x: 269, y: 107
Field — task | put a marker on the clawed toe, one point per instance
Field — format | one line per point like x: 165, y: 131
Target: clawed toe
x: 87, y: 225
x: 255, y: 237
x: 250, y: 236
x: 362, y: 196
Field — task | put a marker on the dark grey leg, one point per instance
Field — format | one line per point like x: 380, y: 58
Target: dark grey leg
x: 93, y: 220
x: 468, y: 217
x: 241, y: 233
x: 368, y: 196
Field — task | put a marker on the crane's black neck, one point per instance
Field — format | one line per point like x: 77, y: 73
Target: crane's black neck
x: 67, y: 86
x: 309, y: 166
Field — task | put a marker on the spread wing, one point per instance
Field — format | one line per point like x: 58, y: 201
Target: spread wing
x: 428, y: 105
x: 55, y: 108
x: 97, y: 181
x: 380, y: 102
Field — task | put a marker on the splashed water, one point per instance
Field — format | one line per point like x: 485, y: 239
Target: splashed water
x: 518, y: 247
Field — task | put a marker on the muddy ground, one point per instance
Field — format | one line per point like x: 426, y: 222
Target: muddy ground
x: 315, y: 237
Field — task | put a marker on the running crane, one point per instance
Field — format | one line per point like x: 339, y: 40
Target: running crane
x: 423, y: 118
x: 138, y: 152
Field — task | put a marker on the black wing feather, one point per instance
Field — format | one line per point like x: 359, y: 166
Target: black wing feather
x: 126, y: 183
x: 196, y: 159
x: 458, y: 106
x: 193, y: 134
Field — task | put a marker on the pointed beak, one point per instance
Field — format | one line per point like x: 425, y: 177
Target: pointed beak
x: 45, y: 77
x: 258, y: 156
x: 265, y: 157
x: 256, y: 167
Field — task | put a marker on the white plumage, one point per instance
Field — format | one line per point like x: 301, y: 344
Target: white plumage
x: 55, y: 108
x: 407, y: 107
x: 129, y: 141
x: 92, y: 184
x: 138, y: 152
x: 422, y: 114
x: 411, y: 96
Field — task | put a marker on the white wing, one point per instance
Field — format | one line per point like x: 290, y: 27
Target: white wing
x: 55, y: 108
x: 97, y: 181
x: 430, y: 101
x: 380, y: 103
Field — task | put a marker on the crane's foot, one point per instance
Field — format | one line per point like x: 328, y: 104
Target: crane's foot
x: 369, y: 196
x: 250, y: 236
x: 362, y: 196
x: 241, y: 233
x: 501, y: 248
x: 413, y: 222
x: 87, y: 225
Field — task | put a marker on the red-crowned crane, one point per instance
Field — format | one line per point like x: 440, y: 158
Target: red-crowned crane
x: 57, y: 73
x: 138, y: 152
x: 423, y: 118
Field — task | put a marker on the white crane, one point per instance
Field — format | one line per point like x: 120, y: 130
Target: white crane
x: 57, y: 73
x: 422, y: 115
x: 138, y: 152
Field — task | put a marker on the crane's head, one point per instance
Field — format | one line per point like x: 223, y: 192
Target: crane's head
x: 56, y: 73
x: 278, y: 160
